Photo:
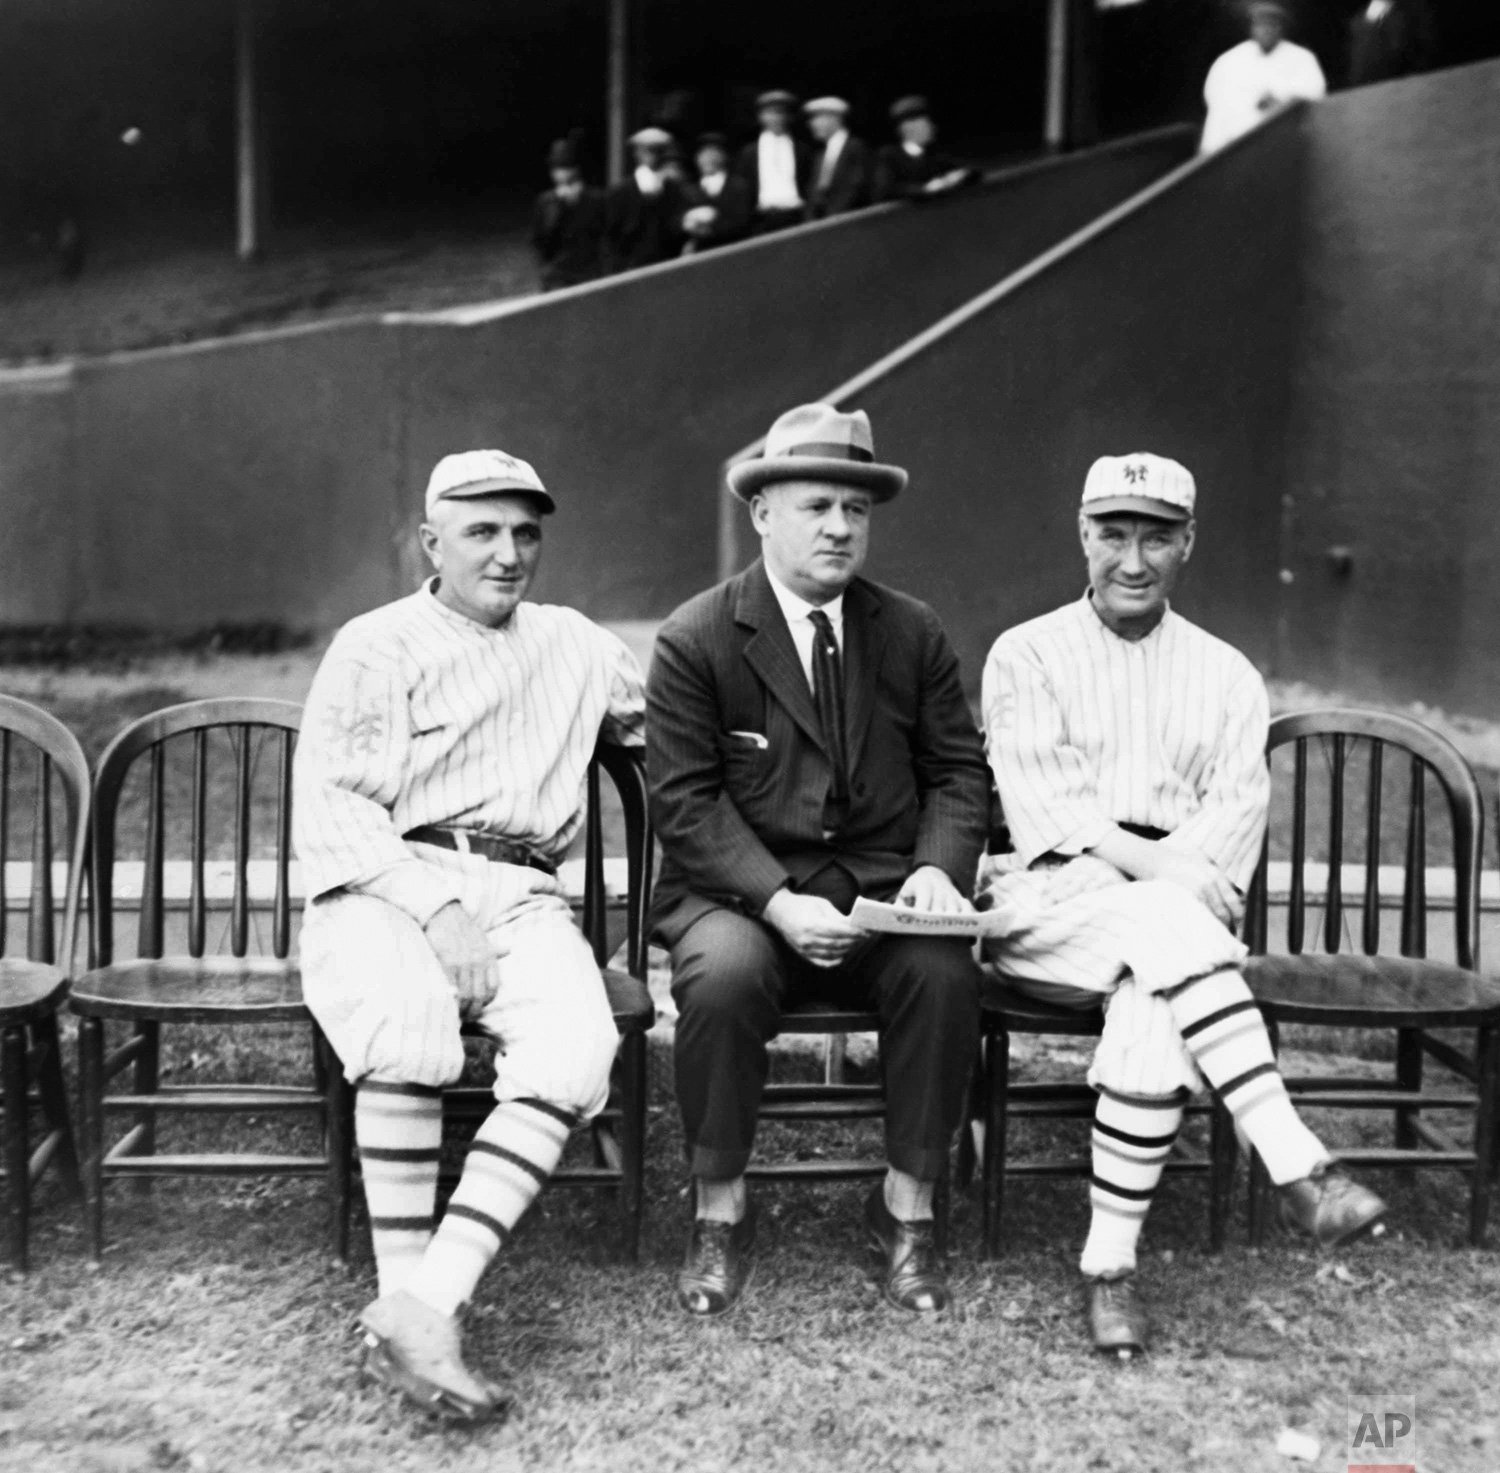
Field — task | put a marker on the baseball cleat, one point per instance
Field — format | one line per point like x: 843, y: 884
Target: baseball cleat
x: 413, y: 1349
x: 1117, y: 1322
x: 1331, y: 1208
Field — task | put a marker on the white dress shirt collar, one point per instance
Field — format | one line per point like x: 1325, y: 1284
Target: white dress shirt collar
x: 713, y: 184
x: 796, y: 609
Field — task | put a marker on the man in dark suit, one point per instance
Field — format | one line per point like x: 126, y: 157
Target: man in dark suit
x: 567, y: 223
x: 808, y: 743
x: 775, y: 166
x: 717, y: 206
x: 839, y: 179
x: 914, y: 167
x: 645, y: 208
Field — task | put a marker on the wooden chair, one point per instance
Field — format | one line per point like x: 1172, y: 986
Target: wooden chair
x: 1006, y: 1010
x: 176, y: 980
x: 619, y: 1133
x: 33, y: 984
x: 1365, y: 986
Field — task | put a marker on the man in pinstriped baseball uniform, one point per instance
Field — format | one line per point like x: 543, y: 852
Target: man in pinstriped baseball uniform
x: 439, y: 779
x: 1128, y: 747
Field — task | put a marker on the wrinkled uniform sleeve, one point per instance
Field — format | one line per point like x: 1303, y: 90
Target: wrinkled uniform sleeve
x: 350, y: 764
x: 1047, y: 787
x: 695, y: 820
x: 1235, y: 791
x: 625, y: 720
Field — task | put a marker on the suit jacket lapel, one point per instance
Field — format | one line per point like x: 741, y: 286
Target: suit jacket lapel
x: 864, y: 648
x: 771, y: 653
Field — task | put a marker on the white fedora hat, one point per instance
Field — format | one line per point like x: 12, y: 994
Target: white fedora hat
x: 816, y: 442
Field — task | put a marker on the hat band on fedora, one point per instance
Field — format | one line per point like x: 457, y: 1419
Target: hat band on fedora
x: 827, y: 450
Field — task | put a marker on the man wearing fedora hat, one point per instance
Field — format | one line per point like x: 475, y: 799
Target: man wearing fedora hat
x: 439, y: 781
x: 717, y: 206
x: 809, y: 743
x: 567, y: 223
x: 775, y: 165
x: 914, y: 167
x: 645, y: 208
x: 839, y: 177
x: 1128, y: 748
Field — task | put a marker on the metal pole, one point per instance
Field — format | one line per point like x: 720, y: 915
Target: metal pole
x: 618, y: 103
x: 247, y: 123
x: 1056, y: 128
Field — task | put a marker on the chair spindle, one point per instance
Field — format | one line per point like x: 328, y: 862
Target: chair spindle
x: 1333, y: 907
x: 152, y: 878
x: 281, y: 904
x: 239, y: 913
x: 41, y: 940
x: 197, y: 900
x: 1414, y: 894
x: 1296, y: 915
x: 1371, y: 927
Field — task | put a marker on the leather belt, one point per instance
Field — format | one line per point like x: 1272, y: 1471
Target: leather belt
x: 497, y: 851
x: 1143, y: 830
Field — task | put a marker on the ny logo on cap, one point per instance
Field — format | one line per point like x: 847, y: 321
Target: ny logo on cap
x: 1134, y: 473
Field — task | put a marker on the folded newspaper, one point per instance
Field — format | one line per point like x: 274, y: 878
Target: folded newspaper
x: 876, y: 915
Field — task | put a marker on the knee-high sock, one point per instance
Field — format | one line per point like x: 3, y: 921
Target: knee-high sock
x: 399, y: 1131
x: 1227, y: 1038
x: 1133, y: 1137
x: 514, y: 1152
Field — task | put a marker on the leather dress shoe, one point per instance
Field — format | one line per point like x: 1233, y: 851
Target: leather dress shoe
x: 1117, y: 1322
x: 1329, y: 1207
x: 718, y: 1264
x: 412, y: 1348
x: 915, y: 1277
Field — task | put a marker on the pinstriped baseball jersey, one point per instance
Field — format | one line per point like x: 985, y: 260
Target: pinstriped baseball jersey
x: 420, y: 716
x: 1086, y: 730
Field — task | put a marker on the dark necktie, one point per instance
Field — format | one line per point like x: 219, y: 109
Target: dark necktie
x: 828, y: 694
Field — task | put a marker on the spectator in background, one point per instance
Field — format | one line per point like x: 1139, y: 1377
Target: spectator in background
x: 914, y: 167
x: 1390, y: 38
x: 719, y: 205
x: 1250, y: 79
x: 839, y: 179
x: 645, y: 210
x: 775, y: 166
x: 568, y: 223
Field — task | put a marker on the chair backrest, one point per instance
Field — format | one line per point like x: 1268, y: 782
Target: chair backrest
x: 176, y: 745
x: 1330, y: 751
x: 31, y: 739
x: 626, y: 767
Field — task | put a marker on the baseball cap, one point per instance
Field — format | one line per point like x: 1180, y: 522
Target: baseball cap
x: 485, y: 473
x: 1148, y: 485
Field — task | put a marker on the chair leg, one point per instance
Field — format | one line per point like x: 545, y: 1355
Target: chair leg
x: 17, y: 1152
x: 1487, y: 1076
x: 146, y: 1074
x: 1259, y: 1206
x: 338, y: 1141
x: 91, y: 1128
x: 968, y: 1154
x: 53, y: 1093
x: 632, y: 1142
x: 1408, y: 1077
x: 1223, y: 1155
x: 996, y: 1091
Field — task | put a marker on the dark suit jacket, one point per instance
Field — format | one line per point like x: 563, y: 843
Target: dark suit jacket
x: 569, y: 238
x: 735, y: 206
x: 900, y: 176
x: 747, y: 166
x: 643, y: 229
x: 849, y: 189
x: 736, y: 820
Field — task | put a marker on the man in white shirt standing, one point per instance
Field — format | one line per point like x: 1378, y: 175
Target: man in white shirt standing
x: 439, y: 780
x: 1128, y: 748
x: 1259, y: 74
x: 775, y: 165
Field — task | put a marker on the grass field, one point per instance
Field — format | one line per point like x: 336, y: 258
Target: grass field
x: 217, y: 1334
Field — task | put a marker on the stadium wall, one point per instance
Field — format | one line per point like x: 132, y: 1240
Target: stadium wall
x: 277, y: 476
x: 1392, y: 534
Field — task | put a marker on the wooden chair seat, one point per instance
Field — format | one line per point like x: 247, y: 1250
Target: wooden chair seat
x: 822, y: 1017
x: 207, y: 989
x: 1004, y: 1003
x: 29, y: 991
x: 1373, y: 991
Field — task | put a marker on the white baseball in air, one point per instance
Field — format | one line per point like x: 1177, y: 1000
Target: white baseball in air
x: 130, y: 137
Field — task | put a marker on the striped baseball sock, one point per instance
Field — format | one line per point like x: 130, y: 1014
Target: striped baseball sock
x: 1133, y: 1137
x: 1225, y: 1034
x: 399, y: 1130
x: 514, y: 1152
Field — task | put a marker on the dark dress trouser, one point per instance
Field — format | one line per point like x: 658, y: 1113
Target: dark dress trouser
x: 731, y: 978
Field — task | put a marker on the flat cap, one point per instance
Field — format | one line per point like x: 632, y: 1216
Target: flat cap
x: 651, y: 138
x: 912, y: 106
x: 776, y: 97
x: 826, y: 105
